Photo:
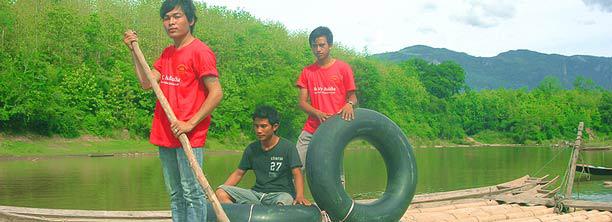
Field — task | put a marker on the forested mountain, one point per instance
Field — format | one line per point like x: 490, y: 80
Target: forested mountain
x: 64, y: 70
x: 516, y: 68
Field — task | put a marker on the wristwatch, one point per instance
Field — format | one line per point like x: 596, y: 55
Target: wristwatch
x: 351, y: 102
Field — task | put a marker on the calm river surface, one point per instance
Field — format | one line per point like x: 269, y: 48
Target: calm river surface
x: 136, y: 183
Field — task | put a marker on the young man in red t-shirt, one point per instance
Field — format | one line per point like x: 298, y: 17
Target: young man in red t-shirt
x: 188, y: 76
x: 328, y: 84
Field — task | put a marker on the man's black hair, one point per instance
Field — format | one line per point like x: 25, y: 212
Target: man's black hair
x: 186, y: 5
x: 267, y: 112
x: 321, y: 31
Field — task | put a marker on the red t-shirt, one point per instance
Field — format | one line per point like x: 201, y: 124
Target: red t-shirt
x: 181, y: 73
x: 327, y: 88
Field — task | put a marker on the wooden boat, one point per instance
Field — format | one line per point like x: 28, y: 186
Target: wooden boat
x: 594, y: 170
x: 484, y: 203
x: 101, y: 155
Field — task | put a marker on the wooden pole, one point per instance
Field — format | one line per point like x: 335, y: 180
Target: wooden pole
x: 197, y: 170
x: 572, y: 167
x: 550, y: 202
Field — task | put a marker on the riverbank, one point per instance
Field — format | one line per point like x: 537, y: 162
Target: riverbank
x: 35, y: 146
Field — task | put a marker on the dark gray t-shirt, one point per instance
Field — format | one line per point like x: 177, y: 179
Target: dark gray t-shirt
x: 273, y: 167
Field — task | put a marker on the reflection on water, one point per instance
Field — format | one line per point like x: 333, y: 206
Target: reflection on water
x: 589, y: 187
x: 136, y: 183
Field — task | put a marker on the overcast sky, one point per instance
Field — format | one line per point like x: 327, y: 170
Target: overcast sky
x: 477, y: 27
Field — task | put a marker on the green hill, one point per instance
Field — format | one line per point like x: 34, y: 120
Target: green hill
x: 514, y: 69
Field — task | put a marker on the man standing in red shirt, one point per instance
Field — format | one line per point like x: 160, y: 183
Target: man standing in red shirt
x: 188, y: 76
x: 327, y: 87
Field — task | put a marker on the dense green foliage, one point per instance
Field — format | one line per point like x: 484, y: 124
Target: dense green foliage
x: 514, y: 69
x: 443, y: 80
x: 64, y: 70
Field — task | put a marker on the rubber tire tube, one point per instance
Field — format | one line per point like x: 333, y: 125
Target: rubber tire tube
x: 324, y: 161
x: 266, y: 213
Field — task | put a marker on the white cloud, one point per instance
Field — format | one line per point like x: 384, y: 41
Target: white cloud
x: 427, y: 30
x: 587, y: 22
x: 603, y: 5
x: 429, y: 7
x: 486, y: 14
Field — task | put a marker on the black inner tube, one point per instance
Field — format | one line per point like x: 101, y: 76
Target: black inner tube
x: 266, y: 213
x: 324, y: 161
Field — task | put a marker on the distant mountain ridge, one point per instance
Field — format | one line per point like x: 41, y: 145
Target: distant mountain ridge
x: 515, y: 68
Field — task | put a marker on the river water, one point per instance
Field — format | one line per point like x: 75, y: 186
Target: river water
x: 136, y: 183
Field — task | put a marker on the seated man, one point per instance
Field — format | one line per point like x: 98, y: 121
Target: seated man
x: 276, y: 163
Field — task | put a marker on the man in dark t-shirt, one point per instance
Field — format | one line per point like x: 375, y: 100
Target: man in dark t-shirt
x: 276, y: 163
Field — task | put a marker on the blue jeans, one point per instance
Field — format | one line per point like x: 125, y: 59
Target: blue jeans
x: 187, y: 200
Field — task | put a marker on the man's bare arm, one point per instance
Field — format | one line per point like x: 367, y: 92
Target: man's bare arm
x: 235, y: 177
x: 128, y: 37
x: 298, y: 183
x: 215, y: 95
x: 348, y: 113
x: 305, y: 105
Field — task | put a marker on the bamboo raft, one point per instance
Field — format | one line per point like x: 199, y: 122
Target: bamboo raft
x: 523, y: 199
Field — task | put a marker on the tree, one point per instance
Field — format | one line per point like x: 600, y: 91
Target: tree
x: 582, y: 83
x: 368, y: 80
x: 605, y: 110
x: 549, y: 85
x: 7, y: 21
x: 443, y: 80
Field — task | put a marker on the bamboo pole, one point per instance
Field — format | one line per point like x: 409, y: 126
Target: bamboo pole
x: 603, y: 148
x: 550, y: 202
x: 572, y: 167
x: 197, y: 170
